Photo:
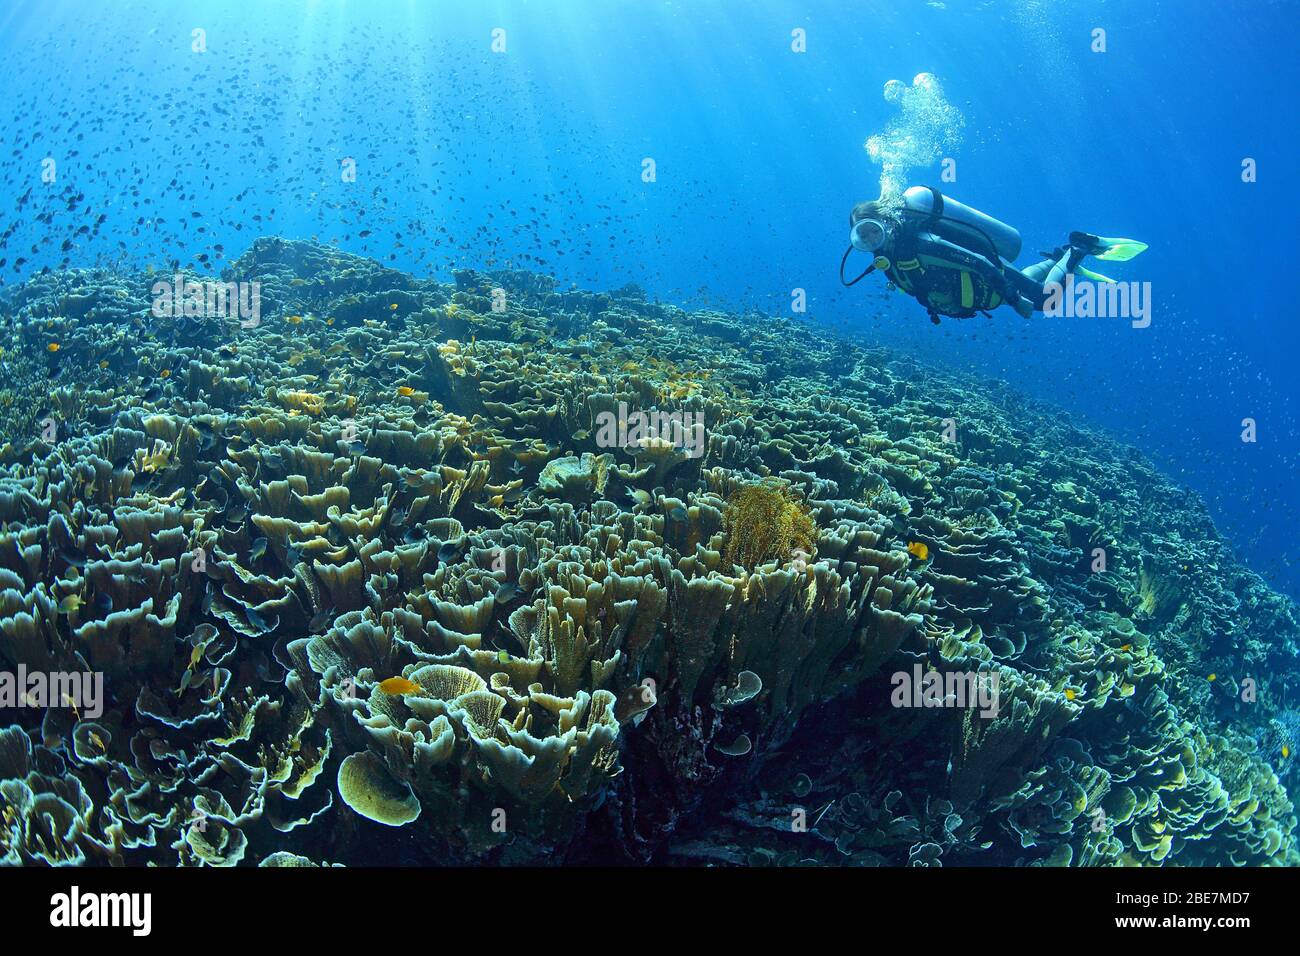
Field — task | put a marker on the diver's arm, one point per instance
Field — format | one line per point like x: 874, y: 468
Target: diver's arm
x: 927, y: 243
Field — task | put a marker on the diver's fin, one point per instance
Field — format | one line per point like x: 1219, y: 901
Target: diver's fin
x: 1111, y: 250
x: 1120, y: 250
x: 1089, y: 274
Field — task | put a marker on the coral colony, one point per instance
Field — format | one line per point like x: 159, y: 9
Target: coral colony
x: 493, y: 572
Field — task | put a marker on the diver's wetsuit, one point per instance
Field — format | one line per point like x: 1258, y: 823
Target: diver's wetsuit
x: 952, y: 279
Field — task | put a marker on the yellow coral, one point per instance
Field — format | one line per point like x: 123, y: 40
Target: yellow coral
x: 302, y: 401
x: 763, y: 521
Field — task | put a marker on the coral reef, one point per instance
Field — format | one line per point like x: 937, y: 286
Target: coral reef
x: 368, y: 568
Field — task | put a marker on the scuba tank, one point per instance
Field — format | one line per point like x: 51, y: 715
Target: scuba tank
x: 962, y: 225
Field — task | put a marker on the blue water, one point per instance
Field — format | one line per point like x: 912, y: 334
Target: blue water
x: 534, y: 157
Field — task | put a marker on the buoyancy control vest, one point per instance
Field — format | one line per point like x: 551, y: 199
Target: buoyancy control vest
x: 949, y: 257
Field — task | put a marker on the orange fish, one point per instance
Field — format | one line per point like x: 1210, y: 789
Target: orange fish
x: 918, y: 550
x: 165, y: 373
x: 398, y: 686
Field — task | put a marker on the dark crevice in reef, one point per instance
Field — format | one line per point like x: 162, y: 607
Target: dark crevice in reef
x: 369, y: 581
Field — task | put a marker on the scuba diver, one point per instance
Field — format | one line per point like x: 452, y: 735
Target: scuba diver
x: 957, y: 261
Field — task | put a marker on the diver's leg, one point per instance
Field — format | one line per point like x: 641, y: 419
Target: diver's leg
x: 1065, y: 265
x: 1038, y: 271
x: 1027, y: 284
x: 1036, y: 282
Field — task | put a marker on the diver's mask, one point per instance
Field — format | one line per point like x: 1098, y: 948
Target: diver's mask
x: 868, y: 235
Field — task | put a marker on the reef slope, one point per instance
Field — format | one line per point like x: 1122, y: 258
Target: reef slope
x: 368, y: 582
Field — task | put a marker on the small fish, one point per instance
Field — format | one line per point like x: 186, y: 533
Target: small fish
x: 503, y: 656
x: 1212, y: 678
x: 321, y: 620
x: 293, y: 319
x: 1286, y: 751
x: 396, y: 686
x: 104, y: 601
x: 640, y: 497
x: 1126, y: 647
x: 256, y: 619
x: 919, y: 550
x: 449, y: 553
x: 165, y: 373
x: 405, y: 391
x: 69, y: 603
x: 507, y: 592
x: 258, y: 549
x: 393, y: 307
x: 1070, y: 693
x: 74, y: 558
x: 677, y: 513
x: 54, y: 346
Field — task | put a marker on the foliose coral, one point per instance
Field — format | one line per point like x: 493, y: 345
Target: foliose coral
x: 367, y: 566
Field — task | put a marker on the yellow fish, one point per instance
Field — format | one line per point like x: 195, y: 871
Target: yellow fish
x: 1069, y: 693
x: 165, y: 373
x: 918, y: 550
x: 1286, y: 751
x: 1212, y: 678
x: 54, y: 346
x: 393, y: 307
x: 405, y: 391
x: 293, y: 319
x: 398, y: 686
